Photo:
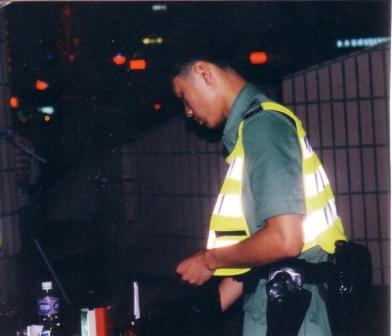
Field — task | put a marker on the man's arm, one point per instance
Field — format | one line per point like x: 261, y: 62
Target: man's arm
x: 229, y: 291
x: 281, y: 238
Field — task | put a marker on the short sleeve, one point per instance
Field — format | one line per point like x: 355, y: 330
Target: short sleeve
x: 274, y: 165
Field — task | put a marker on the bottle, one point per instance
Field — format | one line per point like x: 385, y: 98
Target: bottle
x: 133, y: 327
x: 48, y: 306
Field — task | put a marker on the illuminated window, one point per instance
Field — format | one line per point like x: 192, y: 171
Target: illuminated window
x: 14, y: 102
x: 46, y: 109
x: 152, y: 40
x: 361, y: 42
x: 119, y: 59
x: 258, y: 57
x: 159, y: 8
x: 41, y: 85
x: 138, y: 64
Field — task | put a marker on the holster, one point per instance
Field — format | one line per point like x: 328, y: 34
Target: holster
x: 287, y: 302
x: 349, y: 286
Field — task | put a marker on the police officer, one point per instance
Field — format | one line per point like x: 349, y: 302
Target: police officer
x: 275, y: 205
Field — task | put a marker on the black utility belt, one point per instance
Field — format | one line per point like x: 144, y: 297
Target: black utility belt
x: 301, y: 270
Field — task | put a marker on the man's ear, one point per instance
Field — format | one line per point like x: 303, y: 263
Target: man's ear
x: 204, y: 70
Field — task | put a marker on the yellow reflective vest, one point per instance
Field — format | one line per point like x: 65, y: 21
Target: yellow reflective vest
x: 322, y: 226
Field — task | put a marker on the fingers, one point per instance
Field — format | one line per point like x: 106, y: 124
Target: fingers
x: 193, y: 270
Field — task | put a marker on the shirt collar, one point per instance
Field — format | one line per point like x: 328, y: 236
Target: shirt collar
x: 242, y: 103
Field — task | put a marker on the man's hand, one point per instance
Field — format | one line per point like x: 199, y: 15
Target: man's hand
x: 194, y: 269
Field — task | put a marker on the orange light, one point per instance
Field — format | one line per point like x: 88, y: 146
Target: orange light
x: 157, y: 106
x: 14, y: 102
x: 41, y: 85
x: 258, y: 57
x: 119, y: 59
x: 47, y: 118
x: 138, y: 64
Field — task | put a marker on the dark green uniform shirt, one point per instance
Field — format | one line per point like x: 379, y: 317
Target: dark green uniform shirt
x: 272, y: 181
x: 272, y: 186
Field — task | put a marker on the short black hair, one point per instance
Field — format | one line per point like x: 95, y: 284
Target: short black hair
x: 182, y: 57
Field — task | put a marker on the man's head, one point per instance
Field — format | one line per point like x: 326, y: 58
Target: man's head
x: 207, y: 88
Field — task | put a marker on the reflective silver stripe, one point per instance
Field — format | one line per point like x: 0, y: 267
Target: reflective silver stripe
x: 235, y: 170
x: 316, y: 182
x: 319, y: 221
x: 211, y: 239
x: 229, y: 205
x: 214, y: 242
x: 306, y: 148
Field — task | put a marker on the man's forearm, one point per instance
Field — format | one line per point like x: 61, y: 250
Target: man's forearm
x: 281, y: 238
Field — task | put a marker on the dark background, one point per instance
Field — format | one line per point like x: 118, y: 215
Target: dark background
x: 99, y: 106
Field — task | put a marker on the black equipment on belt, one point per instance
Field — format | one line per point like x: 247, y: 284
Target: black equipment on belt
x: 348, y: 274
x: 287, y: 301
x: 311, y: 273
x: 349, y: 286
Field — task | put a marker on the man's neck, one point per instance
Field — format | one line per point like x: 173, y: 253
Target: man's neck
x: 234, y: 84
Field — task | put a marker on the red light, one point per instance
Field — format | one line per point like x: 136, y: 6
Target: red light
x: 67, y: 11
x: 258, y: 57
x: 41, y: 85
x: 71, y: 57
x: 157, y: 106
x: 119, y: 59
x: 138, y: 64
x: 14, y: 102
x: 76, y: 41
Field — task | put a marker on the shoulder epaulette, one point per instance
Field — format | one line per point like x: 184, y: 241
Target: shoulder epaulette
x: 252, y: 111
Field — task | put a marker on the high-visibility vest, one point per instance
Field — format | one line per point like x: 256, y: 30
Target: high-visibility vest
x: 322, y: 226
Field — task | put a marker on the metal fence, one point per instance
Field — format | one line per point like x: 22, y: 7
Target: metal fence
x: 344, y: 105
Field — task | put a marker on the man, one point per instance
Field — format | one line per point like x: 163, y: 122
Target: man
x: 267, y: 213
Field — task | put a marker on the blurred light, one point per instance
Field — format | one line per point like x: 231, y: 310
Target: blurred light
x: 71, y: 57
x: 76, y: 41
x: 14, y: 102
x: 159, y: 8
x: 67, y: 11
x: 41, y: 85
x: 361, y: 42
x: 258, y: 57
x: 157, y: 106
x: 151, y: 40
x: 46, y: 109
x: 47, y: 118
x: 119, y: 59
x: 138, y: 64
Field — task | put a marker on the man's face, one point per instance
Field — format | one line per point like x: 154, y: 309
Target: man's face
x: 200, y: 99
